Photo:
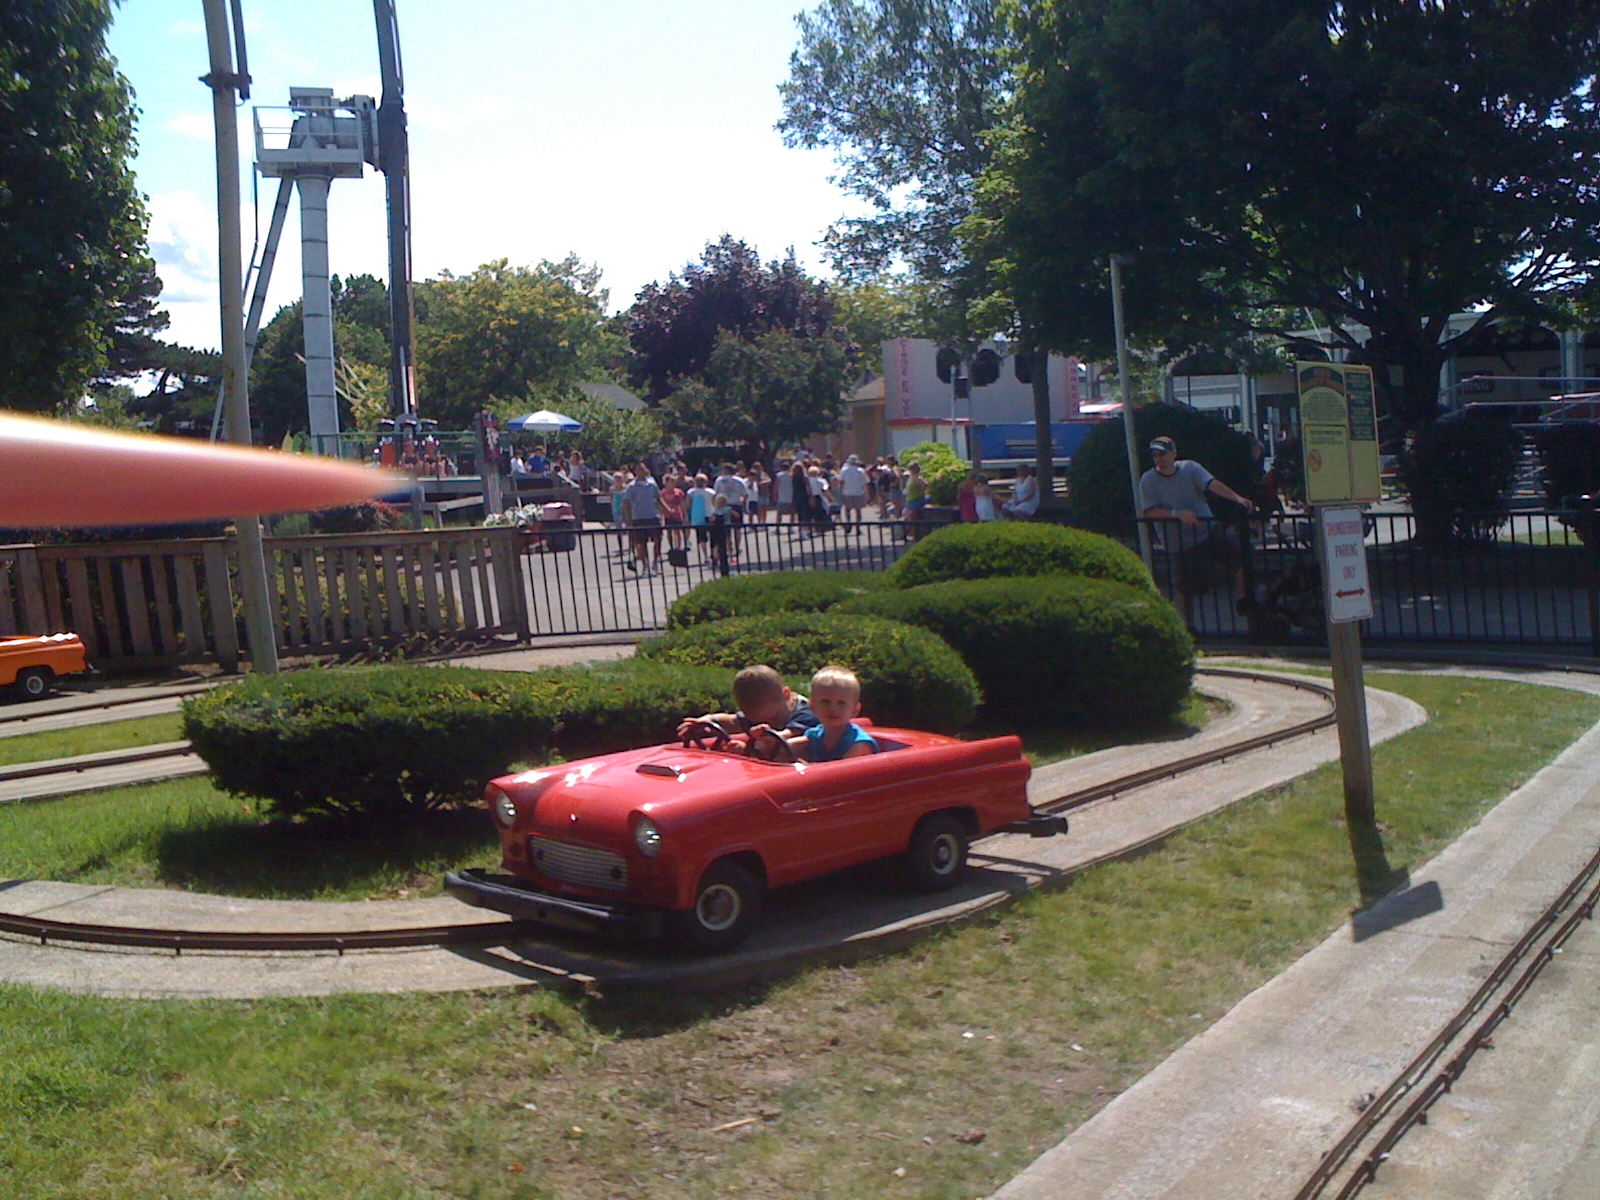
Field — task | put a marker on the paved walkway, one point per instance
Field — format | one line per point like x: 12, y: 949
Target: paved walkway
x: 824, y: 922
x: 1248, y: 1108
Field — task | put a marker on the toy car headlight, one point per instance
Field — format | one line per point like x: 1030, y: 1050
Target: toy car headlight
x: 647, y: 837
x: 505, y: 811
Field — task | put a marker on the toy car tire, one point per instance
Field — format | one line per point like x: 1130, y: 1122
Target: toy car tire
x: 727, y: 906
x: 937, y: 855
x: 35, y: 682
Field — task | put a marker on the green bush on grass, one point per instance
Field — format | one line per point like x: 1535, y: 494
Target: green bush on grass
x: 763, y: 595
x: 398, y: 740
x: 992, y: 549
x: 1056, y: 650
x: 909, y: 677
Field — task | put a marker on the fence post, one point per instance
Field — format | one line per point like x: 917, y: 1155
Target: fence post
x: 34, y: 618
x: 1589, y: 530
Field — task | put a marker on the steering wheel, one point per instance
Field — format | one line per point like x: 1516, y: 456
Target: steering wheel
x: 699, y: 731
x: 784, y: 752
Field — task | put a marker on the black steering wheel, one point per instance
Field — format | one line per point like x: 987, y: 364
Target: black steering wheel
x: 783, y: 753
x: 699, y: 731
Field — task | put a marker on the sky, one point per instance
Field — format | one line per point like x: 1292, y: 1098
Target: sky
x: 628, y: 132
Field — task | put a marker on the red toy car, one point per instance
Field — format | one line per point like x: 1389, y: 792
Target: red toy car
x: 690, y: 836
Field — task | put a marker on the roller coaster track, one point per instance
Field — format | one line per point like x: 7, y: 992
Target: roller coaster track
x: 46, y: 931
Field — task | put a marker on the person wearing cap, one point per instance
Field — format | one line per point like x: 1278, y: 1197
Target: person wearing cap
x: 852, y: 492
x: 1176, y: 489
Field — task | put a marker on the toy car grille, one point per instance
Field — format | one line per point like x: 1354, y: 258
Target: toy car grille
x: 587, y: 866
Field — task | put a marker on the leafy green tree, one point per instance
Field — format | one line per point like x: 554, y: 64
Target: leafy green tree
x: 77, y: 285
x: 907, y: 92
x: 675, y: 326
x: 503, y: 330
x: 904, y: 92
x: 775, y: 390
x: 184, y: 397
x: 1377, y: 165
x: 877, y: 310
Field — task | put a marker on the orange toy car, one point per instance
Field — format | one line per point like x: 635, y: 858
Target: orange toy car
x: 31, y: 665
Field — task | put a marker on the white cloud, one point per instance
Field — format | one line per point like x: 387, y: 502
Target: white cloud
x: 193, y: 125
x: 464, y: 113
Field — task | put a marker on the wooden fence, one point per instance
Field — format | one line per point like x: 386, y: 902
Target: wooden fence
x: 150, y: 604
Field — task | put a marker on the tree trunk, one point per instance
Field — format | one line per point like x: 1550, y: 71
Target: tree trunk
x: 1043, y: 450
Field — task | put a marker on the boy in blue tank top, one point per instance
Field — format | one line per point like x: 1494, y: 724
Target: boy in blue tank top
x: 836, y: 701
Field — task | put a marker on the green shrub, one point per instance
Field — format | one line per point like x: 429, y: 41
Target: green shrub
x: 381, y: 740
x: 761, y: 595
x: 1569, y: 455
x: 368, y: 516
x: 1056, y: 650
x: 941, y: 467
x: 909, y: 677
x: 1459, y: 473
x: 1097, y: 477
x: 993, y: 549
x: 398, y: 740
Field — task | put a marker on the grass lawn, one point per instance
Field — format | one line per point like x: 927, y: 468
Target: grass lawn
x: 87, y: 739
x: 937, y: 1073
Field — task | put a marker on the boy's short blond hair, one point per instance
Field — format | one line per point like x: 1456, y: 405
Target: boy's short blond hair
x: 838, y: 678
x: 753, y: 685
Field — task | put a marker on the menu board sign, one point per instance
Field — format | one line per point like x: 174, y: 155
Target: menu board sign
x: 1338, y: 433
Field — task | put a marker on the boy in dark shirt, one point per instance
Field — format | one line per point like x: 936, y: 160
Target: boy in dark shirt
x: 763, y: 700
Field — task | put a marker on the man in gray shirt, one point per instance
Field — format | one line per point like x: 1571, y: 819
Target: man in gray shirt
x: 1176, y: 490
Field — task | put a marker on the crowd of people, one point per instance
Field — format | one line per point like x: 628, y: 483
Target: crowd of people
x: 668, y: 511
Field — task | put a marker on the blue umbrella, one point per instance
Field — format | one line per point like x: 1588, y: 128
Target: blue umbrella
x: 544, y: 421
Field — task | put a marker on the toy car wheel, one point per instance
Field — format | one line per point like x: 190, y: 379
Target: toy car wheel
x: 35, y: 682
x: 937, y: 855
x: 727, y: 905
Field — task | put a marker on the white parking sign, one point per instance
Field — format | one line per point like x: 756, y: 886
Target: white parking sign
x: 1344, y: 565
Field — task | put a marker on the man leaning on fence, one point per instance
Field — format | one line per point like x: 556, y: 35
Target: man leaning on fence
x: 1177, y: 490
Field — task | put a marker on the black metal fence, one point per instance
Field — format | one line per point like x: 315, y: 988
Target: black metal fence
x: 1532, y: 582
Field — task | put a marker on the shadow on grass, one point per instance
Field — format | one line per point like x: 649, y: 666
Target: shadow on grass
x: 313, y: 859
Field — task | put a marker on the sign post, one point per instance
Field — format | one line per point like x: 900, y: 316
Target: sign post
x: 1339, y: 433
x: 1348, y: 598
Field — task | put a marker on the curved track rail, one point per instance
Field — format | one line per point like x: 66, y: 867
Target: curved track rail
x: 1405, y: 1103
x: 46, y: 931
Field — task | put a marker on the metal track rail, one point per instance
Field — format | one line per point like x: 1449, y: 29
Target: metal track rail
x: 1498, y: 995
x: 92, y: 705
x: 45, y: 930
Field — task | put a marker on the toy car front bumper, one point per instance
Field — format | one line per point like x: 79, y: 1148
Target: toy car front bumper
x: 1039, y: 825
x: 510, y: 895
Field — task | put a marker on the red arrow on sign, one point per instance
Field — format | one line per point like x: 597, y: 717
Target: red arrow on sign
x: 1357, y: 592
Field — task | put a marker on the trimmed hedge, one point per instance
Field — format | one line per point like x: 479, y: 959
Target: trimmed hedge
x: 909, y: 677
x: 994, y: 549
x: 399, y: 740
x: 1056, y: 650
x: 763, y: 595
x: 1459, y: 473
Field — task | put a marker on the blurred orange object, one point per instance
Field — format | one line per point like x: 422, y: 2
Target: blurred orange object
x: 60, y: 473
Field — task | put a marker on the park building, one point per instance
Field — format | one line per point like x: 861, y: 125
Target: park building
x: 1547, y: 374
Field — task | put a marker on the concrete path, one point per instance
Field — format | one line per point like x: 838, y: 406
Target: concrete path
x: 829, y: 920
x: 1248, y: 1108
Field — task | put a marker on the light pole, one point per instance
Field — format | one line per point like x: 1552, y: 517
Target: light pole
x: 1131, y: 441
x: 224, y: 84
